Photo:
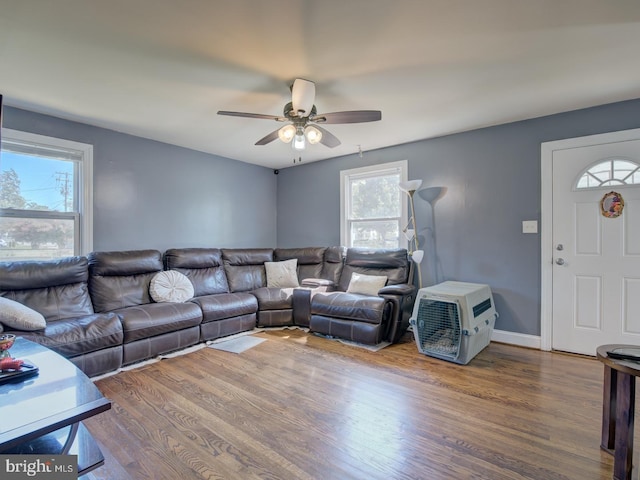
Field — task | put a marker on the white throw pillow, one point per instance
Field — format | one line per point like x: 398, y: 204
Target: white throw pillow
x: 366, y: 284
x: 171, y: 286
x: 282, y: 274
x: 19, y: 316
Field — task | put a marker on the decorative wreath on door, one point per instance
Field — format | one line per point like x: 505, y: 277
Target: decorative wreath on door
x: 611, y: 205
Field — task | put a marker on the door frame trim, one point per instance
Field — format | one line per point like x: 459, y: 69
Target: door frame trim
x: 547, y: 150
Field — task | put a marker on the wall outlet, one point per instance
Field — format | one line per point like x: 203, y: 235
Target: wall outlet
x: 530, y: 226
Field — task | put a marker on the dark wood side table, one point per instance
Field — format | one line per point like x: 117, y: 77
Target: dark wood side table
x: 618, y: 409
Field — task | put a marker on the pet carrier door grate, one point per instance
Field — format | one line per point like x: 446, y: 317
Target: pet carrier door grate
x: 438, y: 326
x: 453, y: 320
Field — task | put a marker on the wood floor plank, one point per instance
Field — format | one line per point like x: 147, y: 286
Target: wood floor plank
x: 303, y: 407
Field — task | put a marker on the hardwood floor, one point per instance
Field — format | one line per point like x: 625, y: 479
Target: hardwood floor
x: 302, y: 407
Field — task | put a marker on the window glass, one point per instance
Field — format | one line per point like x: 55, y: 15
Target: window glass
x: 30, y: 182
x: 45, y: 197
x: 373, y: 207
x: 36, y: 238
x: 610, y: 172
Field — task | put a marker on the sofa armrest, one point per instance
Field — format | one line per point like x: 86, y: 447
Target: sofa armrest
x: 301, y: 304
x: 302, y: 298
x: 399, y: 289
x: 402, y: 297
x: 320, y: 283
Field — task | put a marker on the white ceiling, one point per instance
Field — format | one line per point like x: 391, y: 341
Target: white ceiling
x: 161, y: 69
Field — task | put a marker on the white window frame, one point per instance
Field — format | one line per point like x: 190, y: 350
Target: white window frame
x: 83, y: 171
x: 371, y: 170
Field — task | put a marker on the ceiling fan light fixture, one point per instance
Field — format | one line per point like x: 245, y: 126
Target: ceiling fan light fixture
x: 287, y: 133
x: 313, y: 134
x: 299, y: 141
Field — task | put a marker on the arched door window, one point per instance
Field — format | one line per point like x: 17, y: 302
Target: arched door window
x: 615, y: 171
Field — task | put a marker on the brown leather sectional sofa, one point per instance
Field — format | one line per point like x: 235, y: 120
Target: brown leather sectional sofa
x: 100, y: 314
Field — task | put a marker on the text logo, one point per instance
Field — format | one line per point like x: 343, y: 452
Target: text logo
x: 49, y: 467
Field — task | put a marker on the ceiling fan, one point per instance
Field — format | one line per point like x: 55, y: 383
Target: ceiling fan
x: 304, y: 121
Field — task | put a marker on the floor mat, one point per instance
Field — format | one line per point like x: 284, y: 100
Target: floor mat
x: 371, y: 348
x: 238, y: 344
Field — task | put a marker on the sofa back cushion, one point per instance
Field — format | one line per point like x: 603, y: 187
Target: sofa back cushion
x: 203, y: 266
x: 244, y: 267
x: 56, y: 289
x: 393, y: 264
x: 122, y: 279
x: 333, y: 264
x: 310, y: 260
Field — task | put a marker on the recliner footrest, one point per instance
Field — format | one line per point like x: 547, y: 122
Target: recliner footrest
x: 349, y: 306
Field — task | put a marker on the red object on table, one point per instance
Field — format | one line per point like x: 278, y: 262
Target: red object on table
x: 10, y: 364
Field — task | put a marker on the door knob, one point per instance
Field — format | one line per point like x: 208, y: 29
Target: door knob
x: 560, y: 261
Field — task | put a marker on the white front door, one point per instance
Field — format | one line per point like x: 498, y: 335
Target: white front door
x: 595, y: 259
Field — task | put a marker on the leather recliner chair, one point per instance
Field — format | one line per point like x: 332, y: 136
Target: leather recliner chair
x: 363, y: 318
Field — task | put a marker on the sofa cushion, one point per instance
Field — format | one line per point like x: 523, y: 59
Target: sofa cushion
x: 126, y: 262
x: 333, y: 264
x: 56, y: 302
x: 55, y: 288
x: 203, y: 266
x: 42, y: 274
x: 310, y: 260
x: 170, y: 286
x: 282, y: 274
x: 394, y: 264
x: 112, y: 293
x: 76, y: 336
x: 366, y: 284
x: 122, y: 279
x: 274, y: 298
x: 244, y: 267
x: 226, y: 305
x: 350, y: 306
x: 16, y: 315
x: 144, y: 321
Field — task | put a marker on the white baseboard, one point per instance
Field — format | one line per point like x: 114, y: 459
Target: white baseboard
x: 519, y: 339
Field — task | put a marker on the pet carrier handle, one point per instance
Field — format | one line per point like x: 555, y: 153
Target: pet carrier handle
x: 476, y: 328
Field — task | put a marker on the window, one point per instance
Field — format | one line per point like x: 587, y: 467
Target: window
x: 45, y: 197
x: 616, y: 171
x: 373, y: 209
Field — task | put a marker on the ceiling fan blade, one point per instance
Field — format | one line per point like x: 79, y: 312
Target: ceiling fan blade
x: 303, y: 94
x: 269, y: 138
x: 354, y: 116
x: 328, y: 139
x: 253, y: 115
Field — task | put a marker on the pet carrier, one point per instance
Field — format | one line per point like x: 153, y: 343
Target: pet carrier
x: 453, y: 320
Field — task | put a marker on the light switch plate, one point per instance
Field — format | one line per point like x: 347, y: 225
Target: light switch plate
x: 530, y: 226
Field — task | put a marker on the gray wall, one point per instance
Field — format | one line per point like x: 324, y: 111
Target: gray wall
x: 148, y: 194
x: 485, y: 183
